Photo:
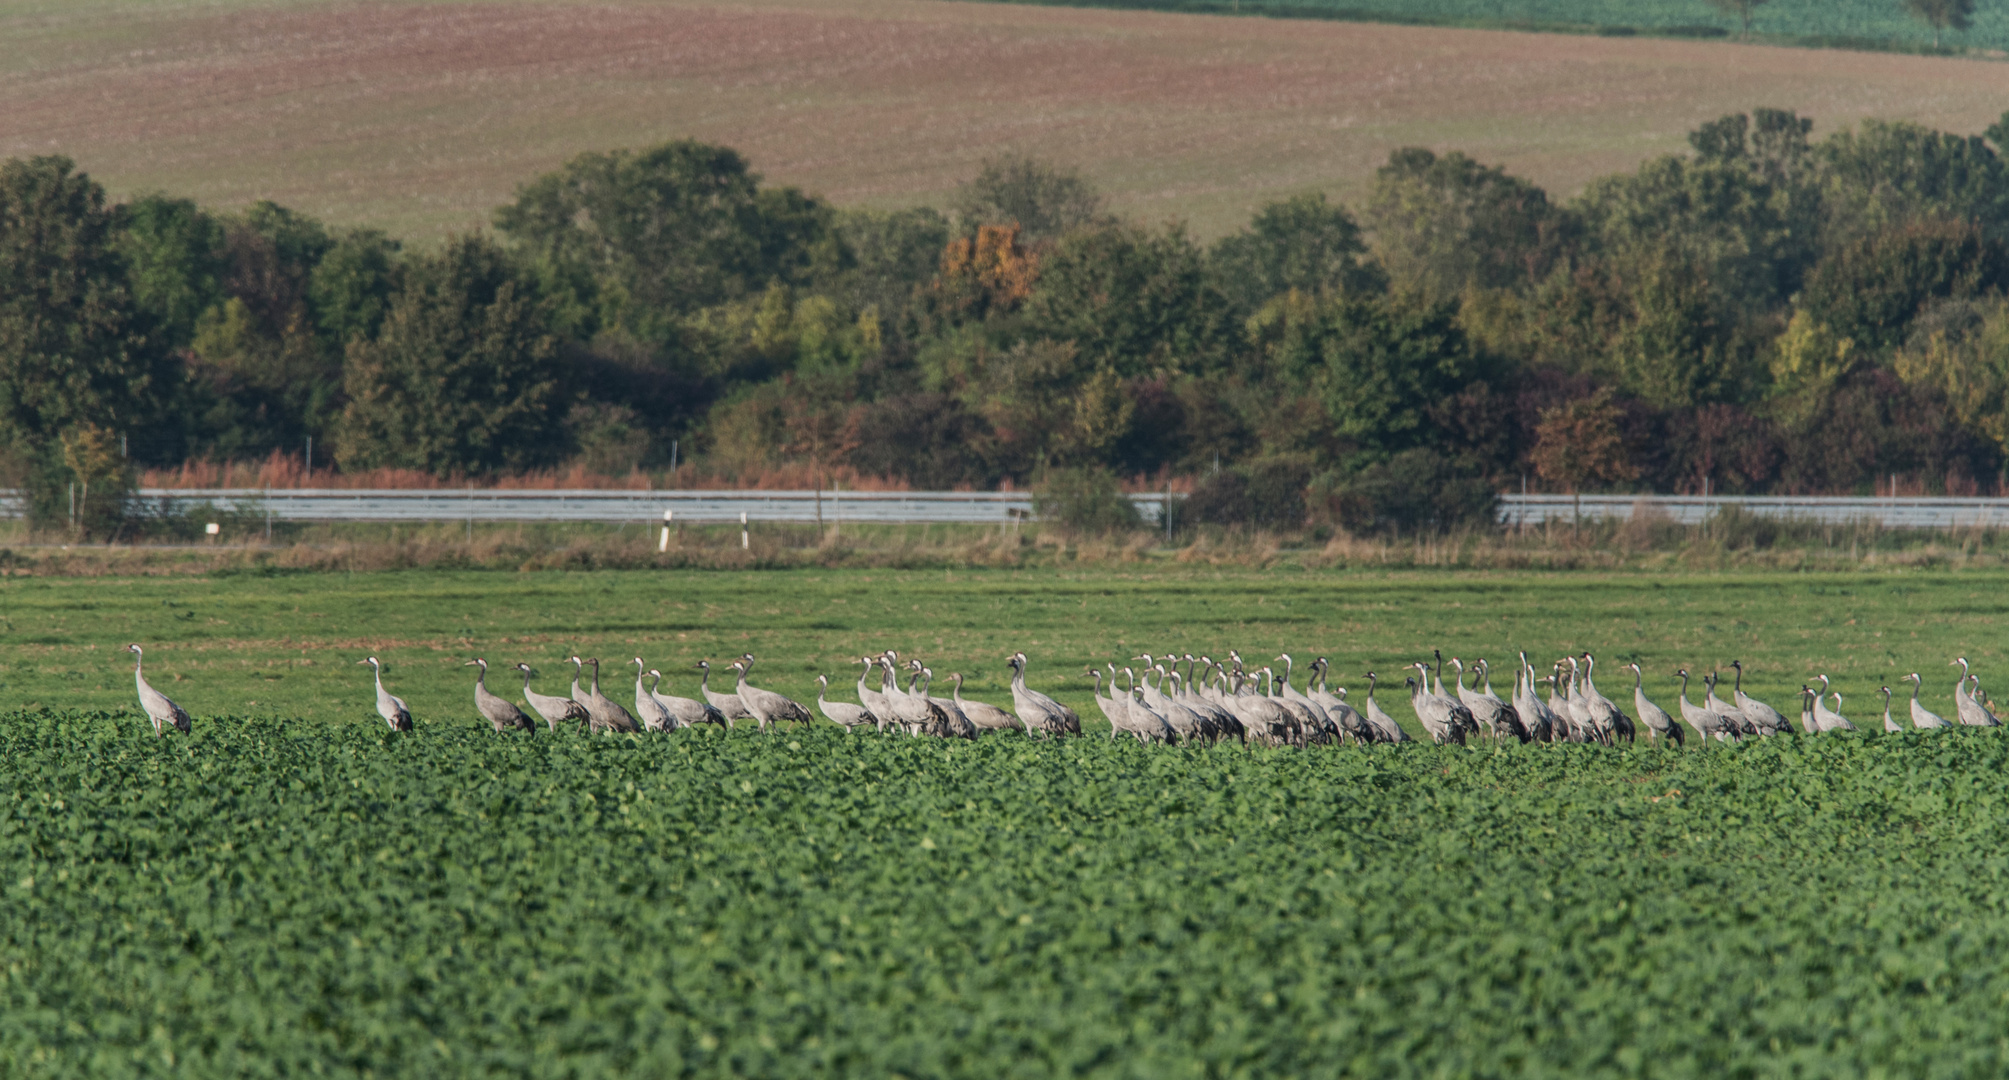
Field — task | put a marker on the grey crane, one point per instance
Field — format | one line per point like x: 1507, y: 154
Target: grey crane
x: 1443, y: 716
x: 390, y: 708
x: 1658, y: 723
x: 1112, y: 710
x: 163, y: 713
x: 1385, y: 727
x: 1706, y: 723
x: 1536, y: 716
x: 500, y: 712
x: 1351, y: 724
x: 1763, y: 717
x: 917, y: 713
x: 602, y: 714
x: 841, y: 712
x: 1807, y: 710
x: 1826, y: 719
x: 1969, y: 711
x: 766, y: 706
x: 728, y: 705
x: 958, y: 725
x: 686, y: 711
x: 1888, y: 723
x: 653, y: 716
x: 1731, y: 714
x: 1922, y: 717
x: 986, y: 716
x: 1142, y: 714
x: 1487, y: 709
x: 1318, y: 726
x: 1040, y: 713
x: 873, y: 700
x: 1605, y: 712
x: 554, y: 710
x: 1187, y: 723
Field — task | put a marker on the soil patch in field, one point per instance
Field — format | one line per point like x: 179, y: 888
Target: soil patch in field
x: 422, y: 117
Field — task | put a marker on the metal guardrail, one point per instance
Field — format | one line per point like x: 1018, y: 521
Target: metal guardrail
x: 1890, y: 513
x: 696, y: 507
x: 978, y: 507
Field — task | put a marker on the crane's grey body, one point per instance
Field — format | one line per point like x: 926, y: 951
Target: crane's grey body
x: 1763, y: 718
x: 686, y: 711
x: 392, y: 709
x: 766, y: 706
x: 842, y: 713
x: 1888, y: 723
x: 873, y: 700
x: 1966, y: 708
x: 912, y: 711
x: 983, y: 714
x: 1922, y: 718
x: 728, y: 705
x: 1706, y: 723
x: 554, y: 710
x: 1385, y: 728
x: 1443, y: 716
x: 1826, y: 719
x: 1040, y: 713
x: 1658, y: 723
x: 602, y: 714
x: 500, y: 712
x: 650, y: 711
x: 159, y: 710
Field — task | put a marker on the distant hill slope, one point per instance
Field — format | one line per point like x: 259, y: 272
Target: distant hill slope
x: 422, y: 117
x: 1856, y: 23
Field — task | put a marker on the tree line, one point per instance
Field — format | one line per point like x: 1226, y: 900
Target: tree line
x: 1766, y: 312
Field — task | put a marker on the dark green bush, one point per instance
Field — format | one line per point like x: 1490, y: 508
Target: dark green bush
x: 1414, y: 491
x: 1268, y: 493
x: 1084, y: 501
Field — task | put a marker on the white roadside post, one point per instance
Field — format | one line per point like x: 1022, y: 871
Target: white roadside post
x: 744, y: 543
x: 664, y: 544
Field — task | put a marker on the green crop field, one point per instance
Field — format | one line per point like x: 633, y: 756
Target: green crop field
x: 1859, y: 22
x: 292, y: 890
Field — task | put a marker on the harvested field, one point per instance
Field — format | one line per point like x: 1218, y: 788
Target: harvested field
x: 422, y: 117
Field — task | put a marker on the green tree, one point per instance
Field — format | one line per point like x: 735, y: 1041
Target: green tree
x: 1377, y: 363
x: 1445, y: 224
x: 645, y: 238
x: 1942, y: 15
x: 1739, y: 9
x: 1885, y: 174
x: 1302, y: 243
x: 351, y: 286
x: 72, y: 351
x: 1869, y: 289
x: 175, y: 261
x: 1045, y: 200
x: 461, y: 377
x: 1134, y: 300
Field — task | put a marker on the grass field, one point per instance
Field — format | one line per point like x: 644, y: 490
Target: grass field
x: 292, y: 890
x: 422, y: 117
x: 286, y: 646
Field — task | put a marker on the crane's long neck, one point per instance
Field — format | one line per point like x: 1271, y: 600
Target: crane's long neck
x: 596, y: 680
x: 481, y: 678
x: 1914, y: 689
x: 862, y: 675
x: 1684, y: 688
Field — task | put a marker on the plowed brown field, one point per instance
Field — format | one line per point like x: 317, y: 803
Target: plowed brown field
x: 421, y: 117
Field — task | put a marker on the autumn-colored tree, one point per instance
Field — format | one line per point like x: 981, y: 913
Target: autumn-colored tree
x: 1579, y: 443
x: 990, y: 272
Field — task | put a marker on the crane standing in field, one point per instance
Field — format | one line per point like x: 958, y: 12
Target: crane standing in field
x: 500, y: 712
x: 602, y: 714
x: 392, y: 709
x: 766, y: 706
x: 554, y: 710
x: 840, y: 712
x: 164, y: 713
x: 1921, y: 717
x: 1040, y: 713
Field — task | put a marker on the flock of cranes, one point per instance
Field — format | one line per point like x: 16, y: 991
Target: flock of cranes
x: 1209, y: 701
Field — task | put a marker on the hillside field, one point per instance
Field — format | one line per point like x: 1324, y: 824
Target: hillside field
x: 292, y: 890
x: 422, y: 117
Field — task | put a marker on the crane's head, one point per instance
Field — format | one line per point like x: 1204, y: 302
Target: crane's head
x: 1913, y: 677
x: 595, y: 661
x: 525, y: 668
x: 706, y: 665
x: 1886, y: 695
x: 658, y: 675
x: 1457, y: 664
x: 575, y: 661
x: 1960, y: 663
x: 1738, y: 664
x: 823, y: 681
x: 640, y: 667
x: 478, y: 662
x: 133, y: 649
x: 1824, y: 683
x: 1683, y: 674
